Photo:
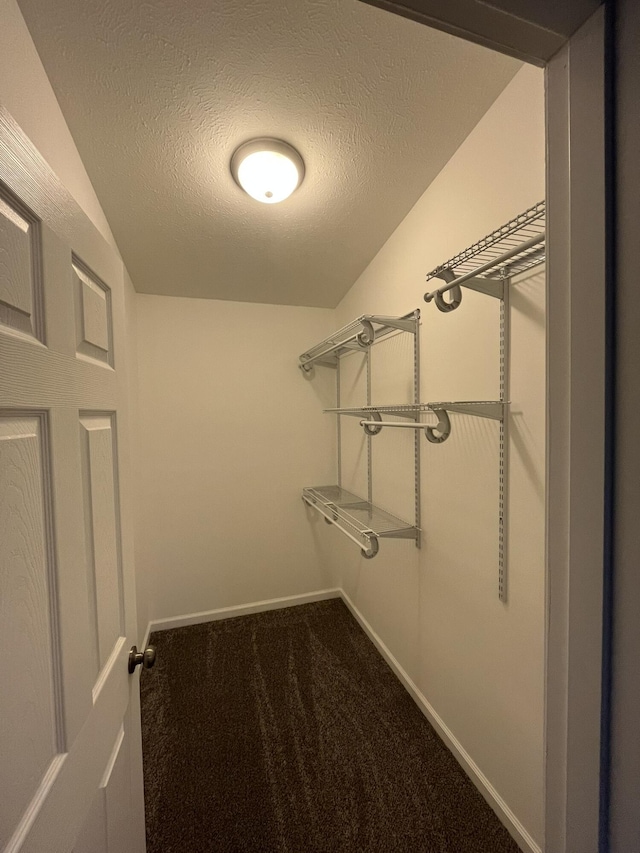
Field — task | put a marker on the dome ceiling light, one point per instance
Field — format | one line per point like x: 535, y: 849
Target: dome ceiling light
x: 268, y: 170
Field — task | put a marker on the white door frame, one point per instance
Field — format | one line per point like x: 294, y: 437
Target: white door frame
x: 576, y: 353
x: 569, y: 40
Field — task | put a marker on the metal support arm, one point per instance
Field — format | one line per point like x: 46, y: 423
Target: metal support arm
x: 456, y: 294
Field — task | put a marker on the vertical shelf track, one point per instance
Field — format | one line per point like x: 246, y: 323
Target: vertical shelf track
x: 416, y: 439
x: 338, y: 428
x: 488, y: 267
x: 503, y: 485
x: 369, y: 456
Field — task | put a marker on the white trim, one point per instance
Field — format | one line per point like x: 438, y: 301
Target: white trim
x: 112, y: 661
x: 238, y: 610
x: 115, y: 752
x: 26, y: 822
x: 575, y: 445
x: 493, y: 798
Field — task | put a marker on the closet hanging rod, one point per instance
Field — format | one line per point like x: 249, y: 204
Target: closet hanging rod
x: 435, y: 433
x: 393, y: 424
x: 532, y: 259
x: 496, y: 262
x: 331, y: 518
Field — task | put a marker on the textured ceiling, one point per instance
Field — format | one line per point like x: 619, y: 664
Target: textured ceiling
x: 159, y: 94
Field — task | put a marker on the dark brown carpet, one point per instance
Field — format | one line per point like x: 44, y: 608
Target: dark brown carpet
x: 286, y: 731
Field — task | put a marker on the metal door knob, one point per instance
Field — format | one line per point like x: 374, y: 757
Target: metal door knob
x: 147, y: 658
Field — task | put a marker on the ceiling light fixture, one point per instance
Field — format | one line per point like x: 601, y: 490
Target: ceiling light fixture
x: 268, y: 170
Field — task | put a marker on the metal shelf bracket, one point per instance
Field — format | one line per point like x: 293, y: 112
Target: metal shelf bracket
x: 442, y: 430
x: 442, y: 304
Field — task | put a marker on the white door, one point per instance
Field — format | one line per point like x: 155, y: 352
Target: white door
x: 70, y: 763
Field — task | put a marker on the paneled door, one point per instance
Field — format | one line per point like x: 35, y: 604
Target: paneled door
x: 70, y: 763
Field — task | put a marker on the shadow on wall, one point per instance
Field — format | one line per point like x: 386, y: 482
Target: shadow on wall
x: 527, y: 298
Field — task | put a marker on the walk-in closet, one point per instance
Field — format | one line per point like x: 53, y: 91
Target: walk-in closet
x: 455, y: 592
x: 277, y: 489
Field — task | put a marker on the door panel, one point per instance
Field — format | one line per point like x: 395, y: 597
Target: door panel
x: 101, y: 533
x: 107, y: 828
x: 78, y: 674
x: 116, y: 785
x: 70, y: 773
x: 29, y: 712
x: 93, y: 835
x: 20, y: 281
x: 93, y: 315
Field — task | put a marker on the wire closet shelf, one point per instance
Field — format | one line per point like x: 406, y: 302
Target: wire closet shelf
x: 358, y: 519
x: 356, y: 516
x: 359, y: 334
x: 488, y: 267
x: 373, y: 422
x: 515, y: 247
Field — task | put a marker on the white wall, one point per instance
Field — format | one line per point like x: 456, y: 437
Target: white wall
x: 230, y: 430
x: 478, y: 662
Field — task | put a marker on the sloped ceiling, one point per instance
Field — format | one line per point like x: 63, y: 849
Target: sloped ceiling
x: 159, y: 94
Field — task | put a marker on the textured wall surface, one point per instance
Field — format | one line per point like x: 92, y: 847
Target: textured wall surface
x: 158, y: 95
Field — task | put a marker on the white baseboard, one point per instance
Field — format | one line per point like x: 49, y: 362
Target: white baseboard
x: 493, y: 798
x: 240, y: 610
